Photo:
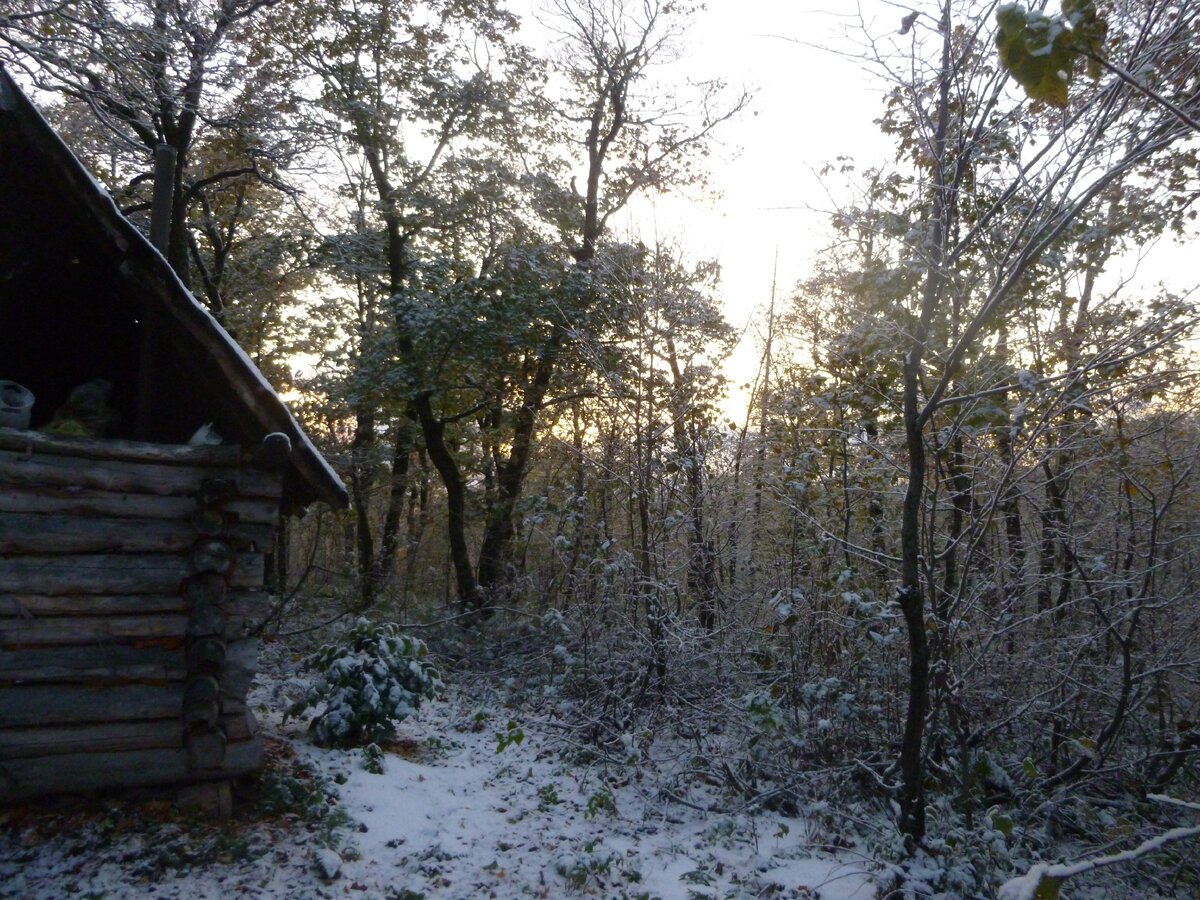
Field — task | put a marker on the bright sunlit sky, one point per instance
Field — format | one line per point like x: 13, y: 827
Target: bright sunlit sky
x: 814, y: 101
x: 810, y: 106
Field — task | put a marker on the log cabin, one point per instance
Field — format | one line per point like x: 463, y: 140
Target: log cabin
x: 132, y: 562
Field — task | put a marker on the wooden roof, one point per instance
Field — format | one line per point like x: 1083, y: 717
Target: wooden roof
x: 80, y: 278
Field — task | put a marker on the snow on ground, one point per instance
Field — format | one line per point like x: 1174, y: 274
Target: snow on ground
x: 525, y: 822
x: 450, y: 817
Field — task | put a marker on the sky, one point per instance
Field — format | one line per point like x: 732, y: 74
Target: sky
x: 811, y: 105
x: 815, y: 100
x: 812, y: 102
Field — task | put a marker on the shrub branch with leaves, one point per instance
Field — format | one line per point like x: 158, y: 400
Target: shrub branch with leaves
x: 369, y: 680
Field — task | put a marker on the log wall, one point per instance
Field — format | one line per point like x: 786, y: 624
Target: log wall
x: 128, y: 574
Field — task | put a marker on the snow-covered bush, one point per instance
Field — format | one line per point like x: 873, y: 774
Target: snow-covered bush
x: 369, y: 680
x: 373, y: 759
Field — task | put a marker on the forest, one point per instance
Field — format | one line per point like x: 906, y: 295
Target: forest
x: 926, y: 586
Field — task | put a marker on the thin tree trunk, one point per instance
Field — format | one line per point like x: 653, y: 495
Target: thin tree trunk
x: 434, y: 430
x: 361, y: 478
x: 495, y: 553
x: 760, y: 456
x: 384, y: 564
x: 702, y: 574
x: 912, y: 606
x: 911, y: 596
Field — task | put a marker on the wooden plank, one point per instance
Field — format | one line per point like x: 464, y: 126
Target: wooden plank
x: 115, y: 574
x: 21, y: 779
x: 74, y: 630
x: 90, y: 629
x: 84, y: 502
x: 74, y: 704
x: 36, y: 533
x: 249, y: 571
x: 128, y: 477
x: 27, y: 442
x: 116, y: 662
x: 29, y: 606
x: 89, y: 574
x: 249, y: 604
x: 19, y: 743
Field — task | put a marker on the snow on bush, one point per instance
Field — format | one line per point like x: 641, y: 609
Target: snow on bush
x: 369, y: 680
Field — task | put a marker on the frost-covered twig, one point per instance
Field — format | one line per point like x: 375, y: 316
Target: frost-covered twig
x: 1043, y: 881
x: 711, y: 808
x: 1174, y: 801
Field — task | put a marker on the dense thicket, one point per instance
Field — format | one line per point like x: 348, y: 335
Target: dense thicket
x: 945, y: 564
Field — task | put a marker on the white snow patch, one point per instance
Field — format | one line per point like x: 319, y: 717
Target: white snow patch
x: 453, y: 818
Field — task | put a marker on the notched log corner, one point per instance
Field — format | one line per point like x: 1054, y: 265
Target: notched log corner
x: 212, y: 555
x: 201, y: 702
x: 273, y: 453
x: 206, y: 655
x: 205, y: 747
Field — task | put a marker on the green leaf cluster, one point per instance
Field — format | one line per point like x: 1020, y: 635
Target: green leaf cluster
x: 1042, y: 52
x: 512, y: 736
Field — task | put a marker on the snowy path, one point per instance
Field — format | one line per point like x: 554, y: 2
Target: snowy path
x: 453, y: 818
x: 478, y: 823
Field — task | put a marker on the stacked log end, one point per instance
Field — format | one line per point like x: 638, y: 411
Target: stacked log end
x: 212, y: 559
x: 128, y: 573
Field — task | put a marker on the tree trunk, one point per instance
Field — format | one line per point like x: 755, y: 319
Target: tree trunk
x: 383, y: 565
x: 495, y: 553
x: 911, y: 597
x: 434, y: 430
x: 360, y: 495
x: 418, y: 517
x: 912, y: 605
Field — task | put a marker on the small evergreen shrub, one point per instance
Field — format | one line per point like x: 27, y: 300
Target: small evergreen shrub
x: 373, y: 759
x: 369, y: 680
